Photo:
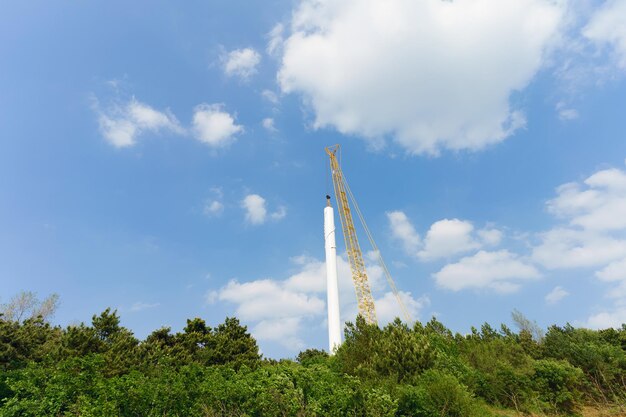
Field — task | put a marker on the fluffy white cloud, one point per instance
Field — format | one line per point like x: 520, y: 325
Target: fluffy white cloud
x: 213, y: 126
x: 598, y: 205
x: 387, y: 307
x: 256, y: 212
x: 403, y: 230
x: 433, y: 74
x: 283, y: 331
x: 615, y: 271
x: 255, y: 207
x: 499, y: 271
x: 269, y: 299
x: 611, y: 318
x: 241, y: 62
x: 608, y: 26
x: 557, y: 294
x: 280, y: 309
x: 122, y: 124
x: 489, y: 236
x: 446, y: 238
x: 569, y: 248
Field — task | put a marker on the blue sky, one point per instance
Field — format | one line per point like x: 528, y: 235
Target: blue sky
x: 167, y: 159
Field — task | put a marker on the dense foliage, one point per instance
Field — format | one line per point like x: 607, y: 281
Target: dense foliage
x: 424, y: 370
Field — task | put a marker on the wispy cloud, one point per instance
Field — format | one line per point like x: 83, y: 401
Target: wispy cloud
x: 122, y: 123
x: 241, y: 62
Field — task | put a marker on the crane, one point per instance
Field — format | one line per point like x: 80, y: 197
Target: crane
x: 343, y: 195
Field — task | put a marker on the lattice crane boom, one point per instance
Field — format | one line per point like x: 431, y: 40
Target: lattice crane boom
x: 364, y: 296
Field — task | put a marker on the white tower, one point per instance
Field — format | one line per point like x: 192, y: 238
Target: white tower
x: 332, y: 291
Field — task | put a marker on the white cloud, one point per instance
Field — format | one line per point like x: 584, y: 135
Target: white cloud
x: 279, y: 214
x: 283, y: 331
x: 269, y: 299
x: 241, y: 62
x: 270, y: 96
x: 500, y: 271
x: 432, y: 74
x: 281, y: 310
x: 213, y: 208
x: 403, y: 230
x: 213, y: 126
x: 387, y: 307
x: 599, y: 204
x: 489, y: 236
x: 566, y: 113
x: 256, y: 212
x: 607, y: 26
x: 594, y: 211
x: 140, y: 306
x: 275, y: 39
x: 615, y: 271
x: 255, y: 207
x: 557, y: 294
x: 121, y: 124
x: 268, y: 124
x: 446, y: 238
x: 568, y: 248
x: 611, y: 318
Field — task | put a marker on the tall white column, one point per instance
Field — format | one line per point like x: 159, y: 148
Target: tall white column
x: 332, y: 291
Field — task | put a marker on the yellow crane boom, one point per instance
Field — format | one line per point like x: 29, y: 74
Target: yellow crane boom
x: 365, y: 300
x: 364, y: 297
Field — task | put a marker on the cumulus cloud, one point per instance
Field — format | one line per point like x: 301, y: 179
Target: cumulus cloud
x: 241, y: 62
x: 500, y: 271
x: 269, y: 299
x: 388, y: 308
x: 595, y: 223
x: 283, y: 331
x: 557, y: 294
x: 611, y: 318
x: 214, y: 126
x: 569, y: 248
x: 592, y: 235
x: 254, y: 205
x: 598, y: 205
x: 256, y: 212
x: 490, y: 236
x: 607, y: 27
x: 279, y: 310
x: 403, y: 230
x: 432, y: 74
x: 122, y: 124
x: 446, y: 238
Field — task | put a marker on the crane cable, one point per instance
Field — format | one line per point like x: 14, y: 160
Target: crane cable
x: 381, y: 262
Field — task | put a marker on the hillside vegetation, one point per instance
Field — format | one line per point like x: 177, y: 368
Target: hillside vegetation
x: 101, y: 369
